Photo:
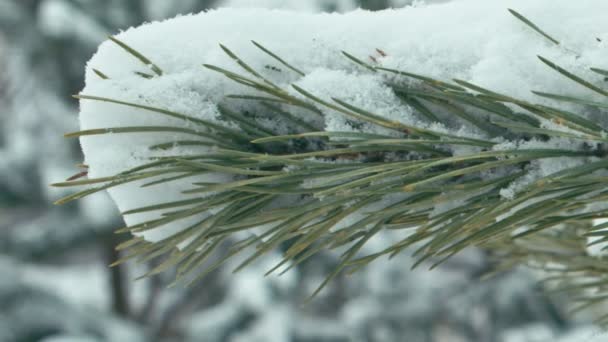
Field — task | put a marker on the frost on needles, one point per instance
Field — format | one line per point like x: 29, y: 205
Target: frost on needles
x: 459, y: 124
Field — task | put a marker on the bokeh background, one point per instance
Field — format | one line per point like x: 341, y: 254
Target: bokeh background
x: 55, y: 285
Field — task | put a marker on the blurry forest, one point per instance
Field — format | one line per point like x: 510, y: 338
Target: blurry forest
x: 55, y: 284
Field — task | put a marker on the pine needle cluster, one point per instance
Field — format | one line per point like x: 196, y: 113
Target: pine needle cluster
x: 336, y: 175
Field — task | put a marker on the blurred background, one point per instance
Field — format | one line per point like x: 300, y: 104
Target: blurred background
x: 55, y: 284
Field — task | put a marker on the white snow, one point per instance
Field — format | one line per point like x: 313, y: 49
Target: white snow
x: 541, y: 333
x: 316, y: 5
x: 296, y: 5
x: 474, y: 40
x: 82, y: 285
x: 365, y: 91
x: 597, y: 248
x: 541, y: 168
x: 59, y: 18
x: 532, y: 333
x: 97, y: 208
x: 64, y: 338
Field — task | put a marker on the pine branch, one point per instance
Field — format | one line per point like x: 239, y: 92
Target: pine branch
x: 335, y: 175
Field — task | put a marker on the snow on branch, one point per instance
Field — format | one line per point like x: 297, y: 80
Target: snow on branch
x: 471, y: 122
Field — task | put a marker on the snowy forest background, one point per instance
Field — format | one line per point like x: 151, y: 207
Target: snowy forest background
x: 54, y: 281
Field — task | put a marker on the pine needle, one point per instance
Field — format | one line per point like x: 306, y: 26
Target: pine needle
x: 137, y: 55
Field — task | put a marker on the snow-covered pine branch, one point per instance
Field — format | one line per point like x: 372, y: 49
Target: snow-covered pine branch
x: 259, y: 127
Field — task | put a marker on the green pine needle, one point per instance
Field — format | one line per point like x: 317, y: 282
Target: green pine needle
x: 137, y: 55
x: 337, y: 174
